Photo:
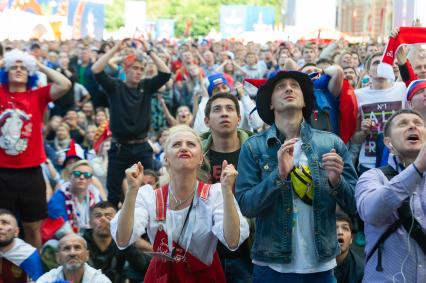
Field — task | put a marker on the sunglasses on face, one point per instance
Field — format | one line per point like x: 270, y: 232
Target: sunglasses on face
x: 86, y: 175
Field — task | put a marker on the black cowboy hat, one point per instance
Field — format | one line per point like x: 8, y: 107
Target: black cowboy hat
x: 263, y: 99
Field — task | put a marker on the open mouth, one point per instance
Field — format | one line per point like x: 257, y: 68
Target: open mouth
x: 413, y: 137
x: 340, y: 240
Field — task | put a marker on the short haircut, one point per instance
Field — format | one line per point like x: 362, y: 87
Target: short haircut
x: 388, y: 125
x: 369, y: 59
x: 81, y: 163
x: 4, y: 211
x: 62, y: 240
x: 221, y: 95
x: 34, y: 46
x: 102, y: 205
x: 308, y: 46
x: 308, y: 65
x: 324, y: 61
x: 340, y: 216
x: 349, y: 67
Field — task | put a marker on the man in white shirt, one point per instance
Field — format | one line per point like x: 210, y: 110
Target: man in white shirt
x: 376, y: 103
x: 72, y: 256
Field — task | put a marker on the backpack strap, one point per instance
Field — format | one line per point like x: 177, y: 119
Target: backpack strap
x: 406, y: 219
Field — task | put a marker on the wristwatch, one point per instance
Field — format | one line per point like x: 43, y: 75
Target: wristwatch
x: 149, y: 52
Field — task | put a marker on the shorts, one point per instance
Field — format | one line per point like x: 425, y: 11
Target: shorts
x: 23, y: 192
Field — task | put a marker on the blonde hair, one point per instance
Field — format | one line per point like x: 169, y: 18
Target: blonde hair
x: 64, y: 125
x: 80, y: 163
x: 178, y: 129
x: 201, y: 174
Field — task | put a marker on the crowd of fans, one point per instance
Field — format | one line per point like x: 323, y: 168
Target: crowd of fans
x: 74, y: 115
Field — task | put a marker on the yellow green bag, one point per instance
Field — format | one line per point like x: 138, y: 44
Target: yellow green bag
x: 301, y: 181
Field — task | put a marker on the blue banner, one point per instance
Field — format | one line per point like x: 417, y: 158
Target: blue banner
x: 86, y: 19
x: 236, y: 19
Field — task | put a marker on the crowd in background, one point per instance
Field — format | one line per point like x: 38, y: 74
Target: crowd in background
x: 87, y: 152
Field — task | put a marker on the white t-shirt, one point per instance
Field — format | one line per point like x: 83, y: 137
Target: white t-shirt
x: 304, y: 258
x: 205, y: 219
x: 378, y: 105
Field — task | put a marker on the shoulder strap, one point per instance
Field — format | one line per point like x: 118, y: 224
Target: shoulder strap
x: 411, y: 225
x: 160, y: 202
x: 388, y: 171
x: 161, y: 198
x: 406, y: 219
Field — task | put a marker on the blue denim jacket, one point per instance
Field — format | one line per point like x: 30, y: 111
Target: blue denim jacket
x: 262, y: 194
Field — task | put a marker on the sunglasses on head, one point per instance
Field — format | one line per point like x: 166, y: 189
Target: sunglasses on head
x: 86, y: 175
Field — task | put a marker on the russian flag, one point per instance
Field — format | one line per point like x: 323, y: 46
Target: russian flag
x: 26, y: 257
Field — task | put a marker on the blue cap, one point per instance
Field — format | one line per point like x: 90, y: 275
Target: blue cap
x: 215, y: 80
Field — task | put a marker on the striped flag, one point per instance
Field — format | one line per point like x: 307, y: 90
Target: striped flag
x: 251, y: 86
x: 26, y: 257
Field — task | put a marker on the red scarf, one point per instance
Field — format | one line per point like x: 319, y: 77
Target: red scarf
x: 406, y: 35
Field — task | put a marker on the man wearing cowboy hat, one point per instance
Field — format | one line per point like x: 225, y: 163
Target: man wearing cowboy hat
x: 290, y: 179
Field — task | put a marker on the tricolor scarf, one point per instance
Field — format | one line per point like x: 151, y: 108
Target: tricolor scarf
x: 26, y: 257
x: 414, y: 87
x: 70, y: 200
x: 406, y: 35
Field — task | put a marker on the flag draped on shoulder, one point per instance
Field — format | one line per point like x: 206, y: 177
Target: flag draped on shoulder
x: 26, y: 257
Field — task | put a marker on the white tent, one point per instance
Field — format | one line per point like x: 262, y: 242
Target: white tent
x: 17, y: 25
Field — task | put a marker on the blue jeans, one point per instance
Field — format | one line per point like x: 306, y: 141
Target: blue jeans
x: 237, y: 270
x: 264, y: 274
x: 121, y: 157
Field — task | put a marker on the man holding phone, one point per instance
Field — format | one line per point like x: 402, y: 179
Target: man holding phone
x: 130, y: 103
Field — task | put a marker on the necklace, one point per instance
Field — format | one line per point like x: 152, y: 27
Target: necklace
x: 178, y: 201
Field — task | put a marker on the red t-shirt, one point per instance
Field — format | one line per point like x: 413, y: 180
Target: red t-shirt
x: 21, y: 116
x: 10, y: 273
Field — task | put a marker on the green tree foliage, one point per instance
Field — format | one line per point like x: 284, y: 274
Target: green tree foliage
x: 203, y: 14
x: 114, y: 15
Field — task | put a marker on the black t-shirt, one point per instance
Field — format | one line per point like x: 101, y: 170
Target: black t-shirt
x: 216, y: 159
x: 130, y: 108
x: 112, y: 260
x: 350, y: 270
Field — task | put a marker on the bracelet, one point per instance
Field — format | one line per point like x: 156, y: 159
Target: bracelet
x: 149, y: 52
x: 417, y: 169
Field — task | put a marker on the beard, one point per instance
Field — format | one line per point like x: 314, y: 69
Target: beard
x: 73, y: 266
x: 6, y: 242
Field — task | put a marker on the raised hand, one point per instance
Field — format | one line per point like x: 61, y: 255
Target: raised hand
x: 134, y: 176
x: 366, y: 126
x: 228, y: 176
x: 333, y: 164
x: 420, y: 161
x: 124, y: 43
x: 285, y: 156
